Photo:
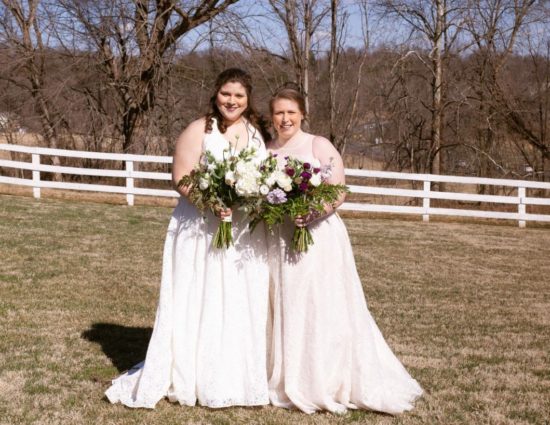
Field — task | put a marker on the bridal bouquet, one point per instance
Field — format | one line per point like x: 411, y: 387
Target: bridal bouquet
x: 300, y: 188
x: 219, y: 184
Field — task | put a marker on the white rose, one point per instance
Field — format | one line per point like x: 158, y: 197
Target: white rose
x: 264, y: 190
x: 282, y: 179
x: 247, y: 170
x: 270, y: 181
x: 203, y: 184
x: 287, y: 188
x: 211, y: 167
x: 315, y: 180
x: 230, y: 178
x: 247, y: 187
x: 241, y: 167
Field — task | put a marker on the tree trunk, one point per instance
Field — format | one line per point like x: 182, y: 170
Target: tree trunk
x: 332, y: 69
x: 28, y: 42
x: 308, y: 24
x: 437, y: 104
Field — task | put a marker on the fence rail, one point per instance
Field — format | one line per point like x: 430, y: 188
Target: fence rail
x: 130, y: 173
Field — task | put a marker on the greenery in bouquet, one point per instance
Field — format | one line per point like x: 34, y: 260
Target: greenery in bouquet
x: 221, y: 184
x: 298, y: 189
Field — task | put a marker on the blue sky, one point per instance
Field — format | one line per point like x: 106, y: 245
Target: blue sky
x: 264, y: 29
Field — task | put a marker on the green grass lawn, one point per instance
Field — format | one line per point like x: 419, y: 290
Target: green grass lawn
x: 466, y: 307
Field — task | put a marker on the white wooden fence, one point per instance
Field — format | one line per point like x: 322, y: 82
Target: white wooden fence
x: 130, y: 173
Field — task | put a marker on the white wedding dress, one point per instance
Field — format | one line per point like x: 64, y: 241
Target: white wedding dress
x: 209, y: 337
x: 326, y: 351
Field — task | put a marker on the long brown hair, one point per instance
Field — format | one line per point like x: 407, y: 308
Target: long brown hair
x: 235, y: 75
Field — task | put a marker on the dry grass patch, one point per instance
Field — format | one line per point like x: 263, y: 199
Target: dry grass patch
x: 465, y: 306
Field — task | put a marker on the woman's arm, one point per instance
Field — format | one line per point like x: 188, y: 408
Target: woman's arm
x: 327, y: 154
x: 187, y: 153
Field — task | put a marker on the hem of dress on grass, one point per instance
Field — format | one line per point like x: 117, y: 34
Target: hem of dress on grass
x: 115, y: 398
x: 343, y: 408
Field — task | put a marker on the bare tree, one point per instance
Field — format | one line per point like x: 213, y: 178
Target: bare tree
x: 494, y: 27
x: 333, y: 58
x: 132, y: 40
x: 22, y: 24
x: 438, y: 21
x: 301, y: 19
x: 525, y: 105
x: 343, y: 114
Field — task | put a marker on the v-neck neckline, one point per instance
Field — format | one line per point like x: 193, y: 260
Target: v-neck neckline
x: 231, y: 147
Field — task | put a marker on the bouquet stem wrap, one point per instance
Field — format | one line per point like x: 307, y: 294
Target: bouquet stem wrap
x: 224, y: 235
x: 301, y: 239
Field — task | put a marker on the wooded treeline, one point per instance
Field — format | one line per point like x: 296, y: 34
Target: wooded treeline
x: 442, y: 86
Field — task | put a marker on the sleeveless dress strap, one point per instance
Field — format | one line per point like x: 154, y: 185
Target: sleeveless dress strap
x: 311, y: 144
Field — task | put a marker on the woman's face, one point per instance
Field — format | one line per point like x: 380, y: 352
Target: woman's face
x: 232, y: 101
x: 287, y: 118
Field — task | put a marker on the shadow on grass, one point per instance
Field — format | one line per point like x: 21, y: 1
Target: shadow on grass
x: 124, y: 345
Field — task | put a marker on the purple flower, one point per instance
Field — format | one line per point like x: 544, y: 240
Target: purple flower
x: 303, y: 186
x: 276, y: 196
x: 262, y: 168
x: 305, y: 175
x: 290, y: 171
x: 316, y: 170
x: 307, y: 165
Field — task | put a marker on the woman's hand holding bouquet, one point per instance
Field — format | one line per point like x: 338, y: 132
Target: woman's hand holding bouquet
x: 219, y: 185
x: 299, y: 190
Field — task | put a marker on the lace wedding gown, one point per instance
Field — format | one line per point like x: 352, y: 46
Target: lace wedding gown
x: 326, y: 351
x: 208, y: 342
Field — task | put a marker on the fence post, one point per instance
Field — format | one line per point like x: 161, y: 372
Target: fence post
x: 36, y: 175
x: 521, y: 206
x: 426, y: 202
x: 130, y: 182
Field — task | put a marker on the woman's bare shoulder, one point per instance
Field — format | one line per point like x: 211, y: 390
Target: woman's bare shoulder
x: 322, y: 145
x: 197, y: 125
x: 321, y: 141
x: 194, y: 130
